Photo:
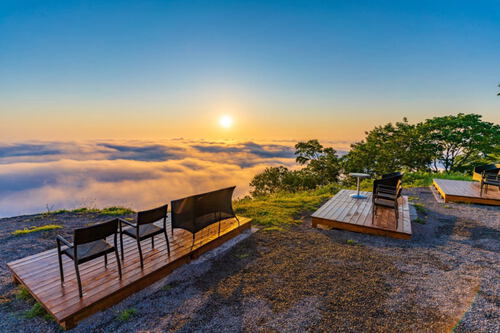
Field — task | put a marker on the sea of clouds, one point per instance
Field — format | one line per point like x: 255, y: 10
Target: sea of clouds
x: 40, y: 176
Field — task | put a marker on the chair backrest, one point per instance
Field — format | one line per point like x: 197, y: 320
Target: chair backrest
x: 481, y: 168
x: 152, y: 215
x: 199, y: 211
x: 491, y: 172
x: 391, y: 181
x: 392, y: 174
x: 95, y: 232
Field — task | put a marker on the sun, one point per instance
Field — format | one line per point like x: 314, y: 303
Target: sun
x: 226, y: 121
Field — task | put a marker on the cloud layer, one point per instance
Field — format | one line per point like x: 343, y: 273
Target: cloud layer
x: 136, y: 174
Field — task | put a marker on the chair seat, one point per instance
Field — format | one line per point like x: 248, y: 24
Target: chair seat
x: 145, y: 231
x: 89, y: 251
x: 384, y: 202
x: 491, y: 180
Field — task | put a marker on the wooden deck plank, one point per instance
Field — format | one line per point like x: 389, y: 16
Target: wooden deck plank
x: 102, y: 287
x: 344, y: 212
x: 466, y: 192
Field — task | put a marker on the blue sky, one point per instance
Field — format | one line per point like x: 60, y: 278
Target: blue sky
x: 282, y: 69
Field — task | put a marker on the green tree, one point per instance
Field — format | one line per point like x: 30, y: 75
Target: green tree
x: 269, y: 181
x: 321, y: 167
x: 322, y: 163
x: 461, y: 140
x: 390, y: 148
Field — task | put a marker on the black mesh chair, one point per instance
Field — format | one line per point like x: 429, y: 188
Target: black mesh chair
x: 489, y: 177
x: 392, y: 174
x: 386, y: 193
x: 144, y: 228
x: 486, y: 167
x: 89, y: 243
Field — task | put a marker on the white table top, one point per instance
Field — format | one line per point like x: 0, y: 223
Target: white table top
x: 359, y: 175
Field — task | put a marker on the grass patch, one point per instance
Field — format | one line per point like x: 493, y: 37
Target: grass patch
x: 167, y: 287
x: 36, y: 229
x: 419, y: 220
x: 126, y: 314
x: 37, y: 310
x: 281, y: 209
x: 422, y: 179
x: 23, y: 294
x: 170, y: 285
x: 274, y: 228
x: 413, y: 179
x: 111, y: 211
x: 351, y: 242
x: 420, y: 208
x: 242, y: 255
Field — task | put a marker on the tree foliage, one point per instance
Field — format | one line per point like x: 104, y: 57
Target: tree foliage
x: 321, y: 167
x: 454, y: 143
x: 461, y: 140
x: 389, y: 148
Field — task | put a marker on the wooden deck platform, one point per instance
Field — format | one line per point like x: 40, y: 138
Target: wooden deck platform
x: 102, y: 287
x: 466, y: 191
x: 344, y: 212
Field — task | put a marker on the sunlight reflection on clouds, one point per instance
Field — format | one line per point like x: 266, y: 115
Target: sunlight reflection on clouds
x: 135, y: 174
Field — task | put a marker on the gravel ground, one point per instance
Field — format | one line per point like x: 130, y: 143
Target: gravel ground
x: 304, y: 279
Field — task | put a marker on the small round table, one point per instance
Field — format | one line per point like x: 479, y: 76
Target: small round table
x: 359, y: 176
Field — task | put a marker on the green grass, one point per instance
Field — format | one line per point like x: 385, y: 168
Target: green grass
x: 420, y: 208
x: 37, y: 310
x: 419, y: 220
x: 169, y: 286
x: 111, y: 211
x: 23, y: 294
x: 36, y: 229
x: 126, y: 314
x: 422, y: 179
x: 276, y: 211
x: 417, y: 179
x: 242, y: 255
x: 351, y: 242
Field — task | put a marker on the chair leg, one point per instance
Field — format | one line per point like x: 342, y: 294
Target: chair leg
x: 140, y: 253
x: 118, y: 262
x: 153, y: 242
x: 166, y: 240
x: 61, y: 267
x: 105, y: 260
x: 78, y: 279
x: 121, y: 245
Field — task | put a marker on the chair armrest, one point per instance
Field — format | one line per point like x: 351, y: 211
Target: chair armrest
x: 61, y: 239
x: 126, y: 222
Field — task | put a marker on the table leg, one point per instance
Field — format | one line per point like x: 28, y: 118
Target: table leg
x: 358, y: 185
